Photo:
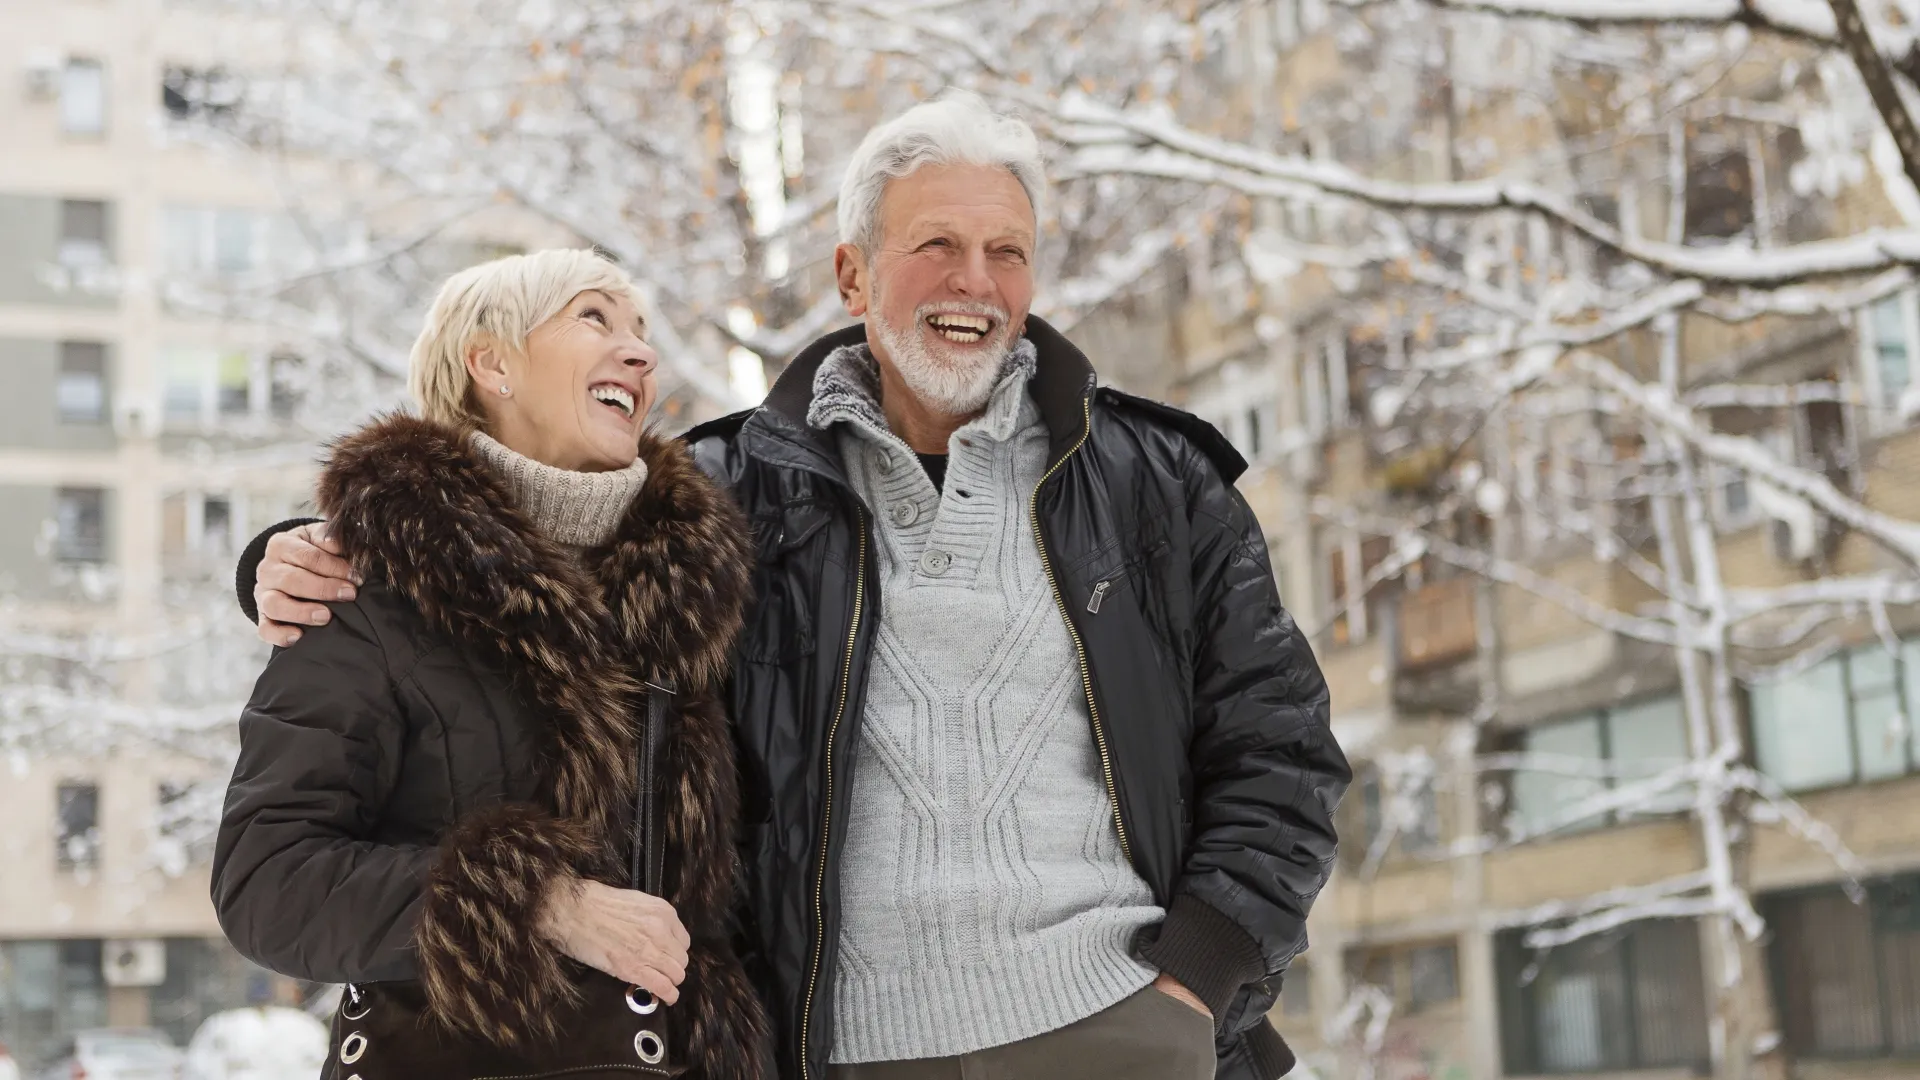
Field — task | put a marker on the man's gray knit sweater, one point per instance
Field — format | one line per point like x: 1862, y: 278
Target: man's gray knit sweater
x: 985, y: 898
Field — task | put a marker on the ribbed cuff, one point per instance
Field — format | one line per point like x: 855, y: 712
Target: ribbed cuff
x: 248, y: 571
x: 1209, y: 953
x: 1272, y: 1057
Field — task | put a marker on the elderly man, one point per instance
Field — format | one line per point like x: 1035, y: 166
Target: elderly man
x: 1038, y: 775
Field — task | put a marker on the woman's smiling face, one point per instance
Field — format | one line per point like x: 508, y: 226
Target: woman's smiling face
x: 579, y: 392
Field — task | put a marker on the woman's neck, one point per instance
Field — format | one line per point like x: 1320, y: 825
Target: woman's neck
x: 582, y: 509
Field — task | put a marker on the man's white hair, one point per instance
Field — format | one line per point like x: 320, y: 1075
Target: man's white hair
x: 498, y: 303
x: 958, y: 128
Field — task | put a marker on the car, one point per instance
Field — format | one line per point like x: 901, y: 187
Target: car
x: 117, y: 1054
x: 9, y: 1068
x: 259, y: 1042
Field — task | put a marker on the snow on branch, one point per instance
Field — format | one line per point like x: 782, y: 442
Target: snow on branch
x: 1754, y: 458
x: 1509, y: 572
x: 1802, y: 824
x: 1140, y: 142
x: 1866, y: 589
x: 791, y: 338
x: 1802, y: 20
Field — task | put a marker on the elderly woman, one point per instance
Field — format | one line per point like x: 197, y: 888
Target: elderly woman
x: 437, y: 797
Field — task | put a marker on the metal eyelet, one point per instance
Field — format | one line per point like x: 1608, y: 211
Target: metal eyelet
x: 355, y: 1000
x: 649, y: 1047
x: 351, y: 1047
x: 642, y: 1001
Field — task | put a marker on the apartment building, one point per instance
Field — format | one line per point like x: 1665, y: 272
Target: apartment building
x: 141, y: 440
x: 1449, y: 688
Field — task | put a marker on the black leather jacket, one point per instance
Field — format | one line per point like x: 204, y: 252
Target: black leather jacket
x: 1209, y: 711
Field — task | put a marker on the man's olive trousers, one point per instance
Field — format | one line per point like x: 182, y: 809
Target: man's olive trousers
x: 1148, y: 1036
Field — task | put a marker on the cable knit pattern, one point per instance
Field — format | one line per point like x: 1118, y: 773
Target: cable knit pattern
x: 580, y: 509
x: 985, y: 898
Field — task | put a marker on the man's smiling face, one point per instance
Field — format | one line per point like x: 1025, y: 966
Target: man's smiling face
x: 947, y: 292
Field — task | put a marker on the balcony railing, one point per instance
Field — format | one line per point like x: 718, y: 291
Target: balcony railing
x: 1437, y: 625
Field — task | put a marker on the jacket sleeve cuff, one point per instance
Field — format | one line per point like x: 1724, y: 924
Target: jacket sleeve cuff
x: 248, y: 571
x: 1209, y: 953
x: 487, y: 970
x: 1272, y: 1057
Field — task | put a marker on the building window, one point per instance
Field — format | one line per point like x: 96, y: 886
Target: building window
x: 206, y: 241
x: 83, y: 98
x: 80, y: 525
x: 80, y: 394
x: 182, y: 820
x: 77, y: 810
x: 1841, y: 721
x: 1324, y: 385
x: 1351, y: 564
x: 284, y: 374
x: 1573, y: 760
x: 1846, y: 975
x: 83, y: 233
x: 199, y: 386
x: 1633, y: 999
x: 1407, y: 804
x: 1888, y: 332
x: 1296, y: 990
x: 207, y: 94
x: 49, y: 989
x: 1416, y: 977
x: 1719, y: 191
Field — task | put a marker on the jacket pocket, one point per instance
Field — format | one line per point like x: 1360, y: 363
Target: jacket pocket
x: 780, y: 622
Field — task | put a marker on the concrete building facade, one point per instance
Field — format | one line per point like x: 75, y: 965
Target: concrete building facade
x: 140, y: 442
x: 1447, y: 684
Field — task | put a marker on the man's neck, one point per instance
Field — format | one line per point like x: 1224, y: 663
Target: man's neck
x: 924, y: 429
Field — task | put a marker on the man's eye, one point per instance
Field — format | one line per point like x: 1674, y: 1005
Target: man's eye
x: 937, y: 242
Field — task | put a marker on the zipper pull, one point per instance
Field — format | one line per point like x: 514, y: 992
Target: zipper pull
x: 1099, y: 594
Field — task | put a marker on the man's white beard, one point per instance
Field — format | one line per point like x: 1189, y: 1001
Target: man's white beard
x: 955, y: 386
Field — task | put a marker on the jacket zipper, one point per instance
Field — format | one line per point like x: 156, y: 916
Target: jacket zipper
x: 826, y: 817
x: 1079, y: 647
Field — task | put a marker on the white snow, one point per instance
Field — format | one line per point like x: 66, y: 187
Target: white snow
x: 264, y: 1042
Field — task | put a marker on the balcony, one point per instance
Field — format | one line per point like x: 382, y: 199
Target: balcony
x: 1436, y: 635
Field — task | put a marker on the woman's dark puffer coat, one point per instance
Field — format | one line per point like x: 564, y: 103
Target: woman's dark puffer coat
x: 417, y: 772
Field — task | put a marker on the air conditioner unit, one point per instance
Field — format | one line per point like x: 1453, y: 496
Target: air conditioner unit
x: 43, y: 75
x: 134, y: 962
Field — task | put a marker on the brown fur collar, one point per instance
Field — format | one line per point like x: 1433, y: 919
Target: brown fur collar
x: 415, y: 505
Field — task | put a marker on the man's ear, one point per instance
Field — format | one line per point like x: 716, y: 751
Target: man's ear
x: 850, y: 274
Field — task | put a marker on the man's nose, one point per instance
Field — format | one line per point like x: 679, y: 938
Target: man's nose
x: 970, y: 277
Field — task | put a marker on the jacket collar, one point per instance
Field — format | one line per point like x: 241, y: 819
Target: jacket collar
x: 1062, y: 386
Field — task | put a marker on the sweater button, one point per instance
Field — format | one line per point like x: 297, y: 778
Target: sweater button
x: 905, y: 514
x: 934, y: 563
x: 884, y: 462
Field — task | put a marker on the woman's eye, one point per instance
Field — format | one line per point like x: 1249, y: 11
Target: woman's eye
x: 594, y: 313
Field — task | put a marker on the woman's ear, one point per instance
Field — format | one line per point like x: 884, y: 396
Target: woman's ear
x: 487, y: 365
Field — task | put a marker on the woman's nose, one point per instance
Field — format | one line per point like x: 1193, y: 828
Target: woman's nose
x: 643, y: 358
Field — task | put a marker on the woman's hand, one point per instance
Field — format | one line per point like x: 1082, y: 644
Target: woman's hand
x: 628, y: 934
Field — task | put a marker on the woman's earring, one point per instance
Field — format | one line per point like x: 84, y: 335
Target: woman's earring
x: 504, y: 391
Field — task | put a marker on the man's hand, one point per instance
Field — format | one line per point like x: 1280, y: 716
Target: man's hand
x: 301, y: 565
x: 1172, y: 987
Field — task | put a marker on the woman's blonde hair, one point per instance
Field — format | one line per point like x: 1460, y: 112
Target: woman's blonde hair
x: 499, y: 303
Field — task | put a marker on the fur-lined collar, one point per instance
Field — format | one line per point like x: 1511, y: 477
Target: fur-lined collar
x: 415, y: 504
